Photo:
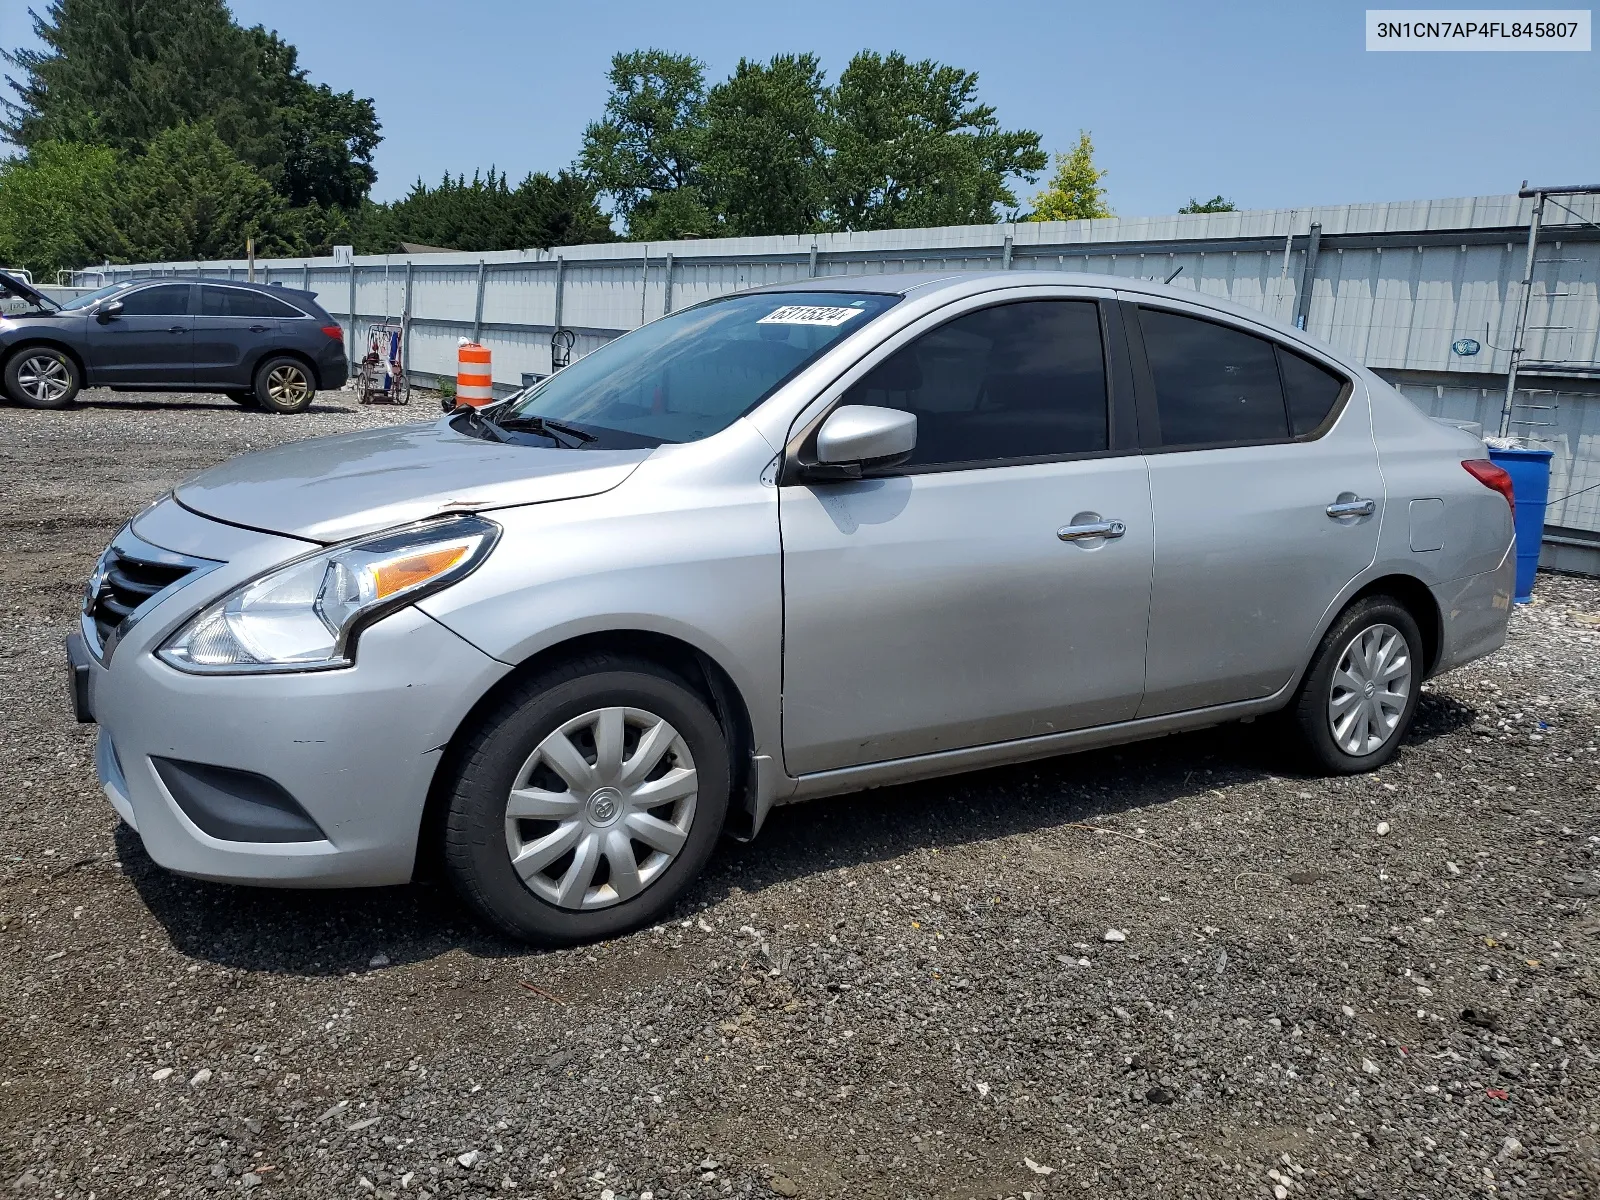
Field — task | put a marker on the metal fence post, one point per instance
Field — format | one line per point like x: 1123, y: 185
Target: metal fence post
x: 1005, y: 254
x: 405, y: 323
x: 305, y: 277
x: 477, y: 310
x: 1308, y: 276
x: 561, y: 265
x: 666, y: 302
x: 350, y: 346
x: 1521, y: 327
x: 813, y: 260
x: 644, y: 283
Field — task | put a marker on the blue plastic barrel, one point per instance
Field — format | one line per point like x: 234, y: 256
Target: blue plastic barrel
x: 1530, y: 484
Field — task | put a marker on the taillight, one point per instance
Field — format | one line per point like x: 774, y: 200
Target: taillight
x: 1491, y: 476
x: 333, y: 331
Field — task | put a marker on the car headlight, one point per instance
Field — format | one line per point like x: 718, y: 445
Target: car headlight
x: 304, y: 616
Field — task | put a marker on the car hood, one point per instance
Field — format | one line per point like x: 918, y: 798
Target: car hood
x: 332, y: 488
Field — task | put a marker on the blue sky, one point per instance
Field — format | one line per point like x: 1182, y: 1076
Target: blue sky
x: 1273, y: 105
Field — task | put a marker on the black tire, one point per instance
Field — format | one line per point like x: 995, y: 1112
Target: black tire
x: 1310, y: 717
x: 284, y: 384
x: 477, y: 856
x: 243, y: 399
x: 42, y: 377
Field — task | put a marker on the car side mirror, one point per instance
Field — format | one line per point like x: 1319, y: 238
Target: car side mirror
x: 108, y: 311
x: 860, y: 439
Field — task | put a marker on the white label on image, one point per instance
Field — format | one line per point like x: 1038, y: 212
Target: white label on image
x: 1477, y: 29
x: 809, y: 314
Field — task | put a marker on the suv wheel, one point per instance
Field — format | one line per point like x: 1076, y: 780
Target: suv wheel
x: 1360, y: 694
x: 591, y: 798
x: 42, y: 377
x: 284, y: 385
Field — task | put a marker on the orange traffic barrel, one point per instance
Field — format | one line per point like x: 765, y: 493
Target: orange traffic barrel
x: 474, y: 380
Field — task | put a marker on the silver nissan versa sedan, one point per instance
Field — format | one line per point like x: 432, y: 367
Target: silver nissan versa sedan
x: 788, y: 543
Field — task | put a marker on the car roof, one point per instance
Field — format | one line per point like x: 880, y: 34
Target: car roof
x: 967, y: 283
x: 270, y: 289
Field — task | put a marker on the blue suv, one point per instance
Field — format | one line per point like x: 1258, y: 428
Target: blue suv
x: 266, y: 347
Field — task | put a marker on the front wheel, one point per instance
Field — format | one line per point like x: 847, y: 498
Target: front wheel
x: 1360, y: 694
x: 284, y: 385
x: 42, y: 377
x: 588, y: 802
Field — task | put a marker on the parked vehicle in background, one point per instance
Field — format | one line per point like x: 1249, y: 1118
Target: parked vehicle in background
x: 261, y: 346
x: 788, y: 543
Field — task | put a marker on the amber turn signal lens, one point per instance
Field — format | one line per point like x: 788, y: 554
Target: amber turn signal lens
x: 391, y: 577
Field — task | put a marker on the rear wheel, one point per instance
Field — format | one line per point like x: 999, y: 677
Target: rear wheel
x: 42, y: 377
x: 1360, y: 694
x: 588, y: 802
x: 284, y: 385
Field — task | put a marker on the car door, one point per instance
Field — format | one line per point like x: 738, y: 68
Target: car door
x: 233, y: 329
x: 1267, y: 500
x: 149, y: 342
x: 994, y: 587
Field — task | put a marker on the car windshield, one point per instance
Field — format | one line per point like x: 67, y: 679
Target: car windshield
x: 88, y: 298
x: 690, y: 374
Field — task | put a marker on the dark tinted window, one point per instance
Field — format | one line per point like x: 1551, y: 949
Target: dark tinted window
x: 1014, y: 381
x: 168, y: 300
x: 240, y: 302
x: 1312, y: 391
x: 1213, y: 384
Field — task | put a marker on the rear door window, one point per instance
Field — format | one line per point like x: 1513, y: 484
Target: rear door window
x: 1012, y: 382
x: 1215, y: 385
x: 167, y: 300
x: 241, y: 302
x: 1312, y: 391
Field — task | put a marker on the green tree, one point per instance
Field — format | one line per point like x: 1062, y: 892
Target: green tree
x: 56, y: 208
x: 911, y: 146
x: 119, y: 72
x: 645, y: 154
x: 1074, y: 192
x: 190, y: 197
x: 764, y: 160
x: 487, y: 214
x: 1217, y: 203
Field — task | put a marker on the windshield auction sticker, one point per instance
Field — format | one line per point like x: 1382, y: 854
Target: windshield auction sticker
x: 809, y: 314
x: 1477, y: 29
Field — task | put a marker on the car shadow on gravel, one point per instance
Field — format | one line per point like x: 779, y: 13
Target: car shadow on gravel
x: 190, y: 404
x: 336, y: 931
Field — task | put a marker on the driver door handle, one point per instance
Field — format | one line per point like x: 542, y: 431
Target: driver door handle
x: 1091, y: 529
x: 1352, y: 508
x: 178, y: 329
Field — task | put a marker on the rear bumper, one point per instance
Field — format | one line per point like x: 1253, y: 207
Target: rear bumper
x: 1474, y: 612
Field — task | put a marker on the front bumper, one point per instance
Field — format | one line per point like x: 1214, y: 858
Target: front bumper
x: 355, y: 749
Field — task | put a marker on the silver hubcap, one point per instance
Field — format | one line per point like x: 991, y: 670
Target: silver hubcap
x: 44, y: 378
x: 287, y: 385
x: 1371, y: 685
x: 601, y: 808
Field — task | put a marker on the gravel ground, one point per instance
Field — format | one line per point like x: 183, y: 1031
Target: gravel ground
x: 1383, y: 986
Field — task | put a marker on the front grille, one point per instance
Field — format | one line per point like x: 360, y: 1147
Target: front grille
x: 126, y: 583
x: 129, y: 576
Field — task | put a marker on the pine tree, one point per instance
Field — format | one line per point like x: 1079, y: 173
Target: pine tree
x: 1074, y: 193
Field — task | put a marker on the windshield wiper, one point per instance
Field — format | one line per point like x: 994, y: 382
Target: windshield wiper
x: 483, y: 426
x: 554, y: 430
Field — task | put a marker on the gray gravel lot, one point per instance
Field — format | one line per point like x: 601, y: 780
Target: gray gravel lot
x: 1383, y: 986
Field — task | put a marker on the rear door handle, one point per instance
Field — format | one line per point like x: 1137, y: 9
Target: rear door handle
x: 179, y: 329
x: 260, y: 328
x: 1352, y: 508
x: 1090, y: 530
